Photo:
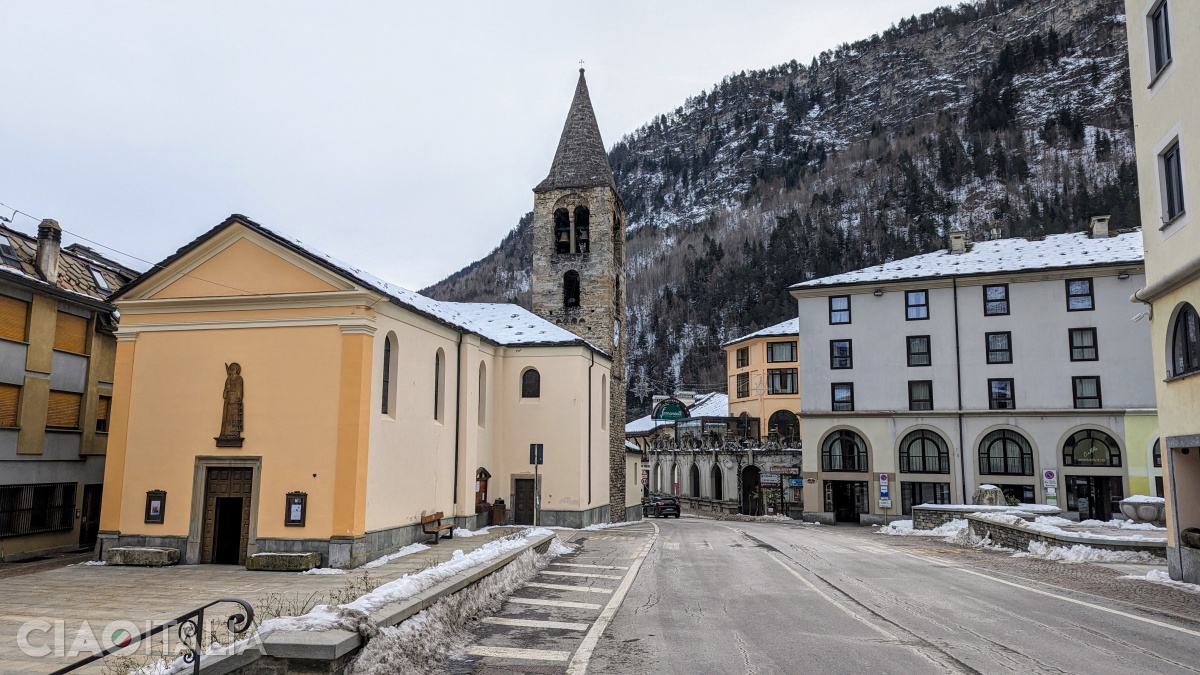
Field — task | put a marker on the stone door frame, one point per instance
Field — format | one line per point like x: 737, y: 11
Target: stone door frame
x: 199, y: 485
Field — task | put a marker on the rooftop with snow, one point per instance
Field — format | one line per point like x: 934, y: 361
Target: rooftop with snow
x: 783, y: 328
x: 500, y: 323
x: 1056, y: 251
x: 715, y: 404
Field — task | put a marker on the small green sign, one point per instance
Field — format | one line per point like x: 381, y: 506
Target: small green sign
x: 671, y: 411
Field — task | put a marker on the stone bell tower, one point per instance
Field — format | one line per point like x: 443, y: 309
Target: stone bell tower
x: 579, y: 261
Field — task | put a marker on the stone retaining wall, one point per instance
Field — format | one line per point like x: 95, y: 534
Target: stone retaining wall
x: 1018, y: 538
x: 925, y: 518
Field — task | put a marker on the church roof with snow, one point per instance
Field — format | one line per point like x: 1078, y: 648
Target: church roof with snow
x: 580, y: 161
x: 499, y: 323
x: 999, y: 256
x: 781, y: 329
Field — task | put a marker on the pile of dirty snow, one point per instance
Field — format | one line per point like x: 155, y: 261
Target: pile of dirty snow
x: 1161, y: 577
x: 1080, y: 553
x: 905, y: 528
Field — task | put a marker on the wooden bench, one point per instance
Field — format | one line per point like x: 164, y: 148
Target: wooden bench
x: 432, y: 524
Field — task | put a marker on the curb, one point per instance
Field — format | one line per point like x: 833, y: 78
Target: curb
x: 334, y: 644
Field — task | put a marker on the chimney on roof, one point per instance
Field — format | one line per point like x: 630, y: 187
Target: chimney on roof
x: 48, y: 242
x: 958, y: 242
x: 997, y: 230
x: 1100, y: 227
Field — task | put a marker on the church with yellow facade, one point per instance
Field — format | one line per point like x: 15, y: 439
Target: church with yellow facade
x: 269, y: 398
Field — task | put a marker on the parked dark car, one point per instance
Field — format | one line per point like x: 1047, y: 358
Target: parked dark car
x: 661, y: 506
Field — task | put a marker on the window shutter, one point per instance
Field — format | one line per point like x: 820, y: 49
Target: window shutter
x: 10, y: 395
x: 70, y: 333
x: 103, y: 404
x: 63, y: 410
x: 14, y: 315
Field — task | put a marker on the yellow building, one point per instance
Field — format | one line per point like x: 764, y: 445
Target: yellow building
x: 56, y: 375
x: 1164, y: 65
x: 763, y: 376
x: 355, y: 407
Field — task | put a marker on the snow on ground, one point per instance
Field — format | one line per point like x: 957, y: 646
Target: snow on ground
x: 905, y: 528
x: 407, y: 550
x: 1110, y: 524
x: 92, y: 563
x: 1048, y: 528
x: 1161, y: 577
x: 350, y: 615
x: 463, y: 532
x: 1080, y: 553
x: 323, y: 570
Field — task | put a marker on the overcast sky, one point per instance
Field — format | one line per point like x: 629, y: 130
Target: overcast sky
x: 402, y: 137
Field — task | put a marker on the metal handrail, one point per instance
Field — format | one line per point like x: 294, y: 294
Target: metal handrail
x: 189, y: 634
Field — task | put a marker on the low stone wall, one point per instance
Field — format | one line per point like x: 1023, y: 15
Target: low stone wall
x: 698, y: 505
x: 930, y: 516
x: 1018, y: 538
x: 927, y: 518
x: 822, y: 517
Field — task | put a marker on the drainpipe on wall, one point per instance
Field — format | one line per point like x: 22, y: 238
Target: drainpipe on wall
x: 962, y: 451
x: 457, y: 413
x: 589, y: 429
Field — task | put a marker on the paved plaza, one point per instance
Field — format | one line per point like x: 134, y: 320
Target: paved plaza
x: 101, y: 595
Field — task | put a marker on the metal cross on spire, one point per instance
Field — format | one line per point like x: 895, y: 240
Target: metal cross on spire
x: 581, y: 65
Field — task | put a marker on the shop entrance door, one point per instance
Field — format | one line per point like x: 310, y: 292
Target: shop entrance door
x: 751, y: 499
x: 847, y: 499
x: 1094, y: 497
x: 89, y: 523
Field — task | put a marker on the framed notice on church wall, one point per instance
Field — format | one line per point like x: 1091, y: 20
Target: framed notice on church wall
x: 156, y: 506
x: 295, y: 509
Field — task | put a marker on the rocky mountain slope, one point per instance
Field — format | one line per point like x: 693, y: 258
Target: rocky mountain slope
x: 1009, y: 116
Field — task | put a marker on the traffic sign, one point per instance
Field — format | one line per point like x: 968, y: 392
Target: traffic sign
x: 535, y: 453
x: 768, y: 479
x: 1050, y: 478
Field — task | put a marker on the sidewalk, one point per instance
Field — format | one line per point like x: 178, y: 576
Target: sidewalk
x: 101, y: 595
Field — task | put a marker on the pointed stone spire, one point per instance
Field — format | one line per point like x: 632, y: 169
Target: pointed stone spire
x: 580, y: 161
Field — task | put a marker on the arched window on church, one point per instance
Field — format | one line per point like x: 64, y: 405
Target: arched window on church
x: 571, y: 290
x: 562, y: 231
x: 582, y: 229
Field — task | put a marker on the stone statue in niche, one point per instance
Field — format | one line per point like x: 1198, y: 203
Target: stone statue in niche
x: 232, y: 411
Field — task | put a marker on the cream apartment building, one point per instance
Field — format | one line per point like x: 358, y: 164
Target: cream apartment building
x: 763, y: 379
x: 990, y: 363
x: 1164, y: 64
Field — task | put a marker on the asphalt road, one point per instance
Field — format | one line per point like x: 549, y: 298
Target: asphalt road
x: 733, y: 597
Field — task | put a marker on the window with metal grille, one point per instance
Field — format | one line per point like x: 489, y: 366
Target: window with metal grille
x: 783, y: 381
x: 920, y: 395
x: 999, y: 347
x: 1001, y: 395
x: 995, y: 300
x: 103, y: 408
x: 1087, y: 392
x: 918, y: 350
x: 36, y: 508
x: 14, y: 318
x: 844, y: 450
x: 70, y: 333
x: 63, y: 410
x: 914, y: 494
x: 924, y: 451
x: 1160, y: 37
x: 10, y: 399
x: 781, y: 352
x: 916, y: 305
x: 1079, y: 295
x: 843, y: 396
x: 531, y: 384
x: 1172, y: 168
x: 1005, y: 453
x: 743, y: 385
x: 1083, y: 344
x: 841, y: 354
x: 839, y: 309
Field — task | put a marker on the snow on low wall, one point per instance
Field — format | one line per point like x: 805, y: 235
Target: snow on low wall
x: 1009, y: 531
x: 930, y: 516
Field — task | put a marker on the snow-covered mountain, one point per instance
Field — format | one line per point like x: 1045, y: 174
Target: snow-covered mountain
x: 1009, y: 114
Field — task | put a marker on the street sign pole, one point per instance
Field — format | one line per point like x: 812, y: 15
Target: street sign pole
x: 535, y: 458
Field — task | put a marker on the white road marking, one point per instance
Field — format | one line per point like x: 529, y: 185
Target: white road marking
x: 854, y: 615
x: 565, y: 587
x: 1127, y: 615
x: 535, y: 623
x: 583, y: 654
x: 671, y: 545
x: 514, y: 653
x: 554, y: 603
x: 589, y: 575
x: 595, y: 567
